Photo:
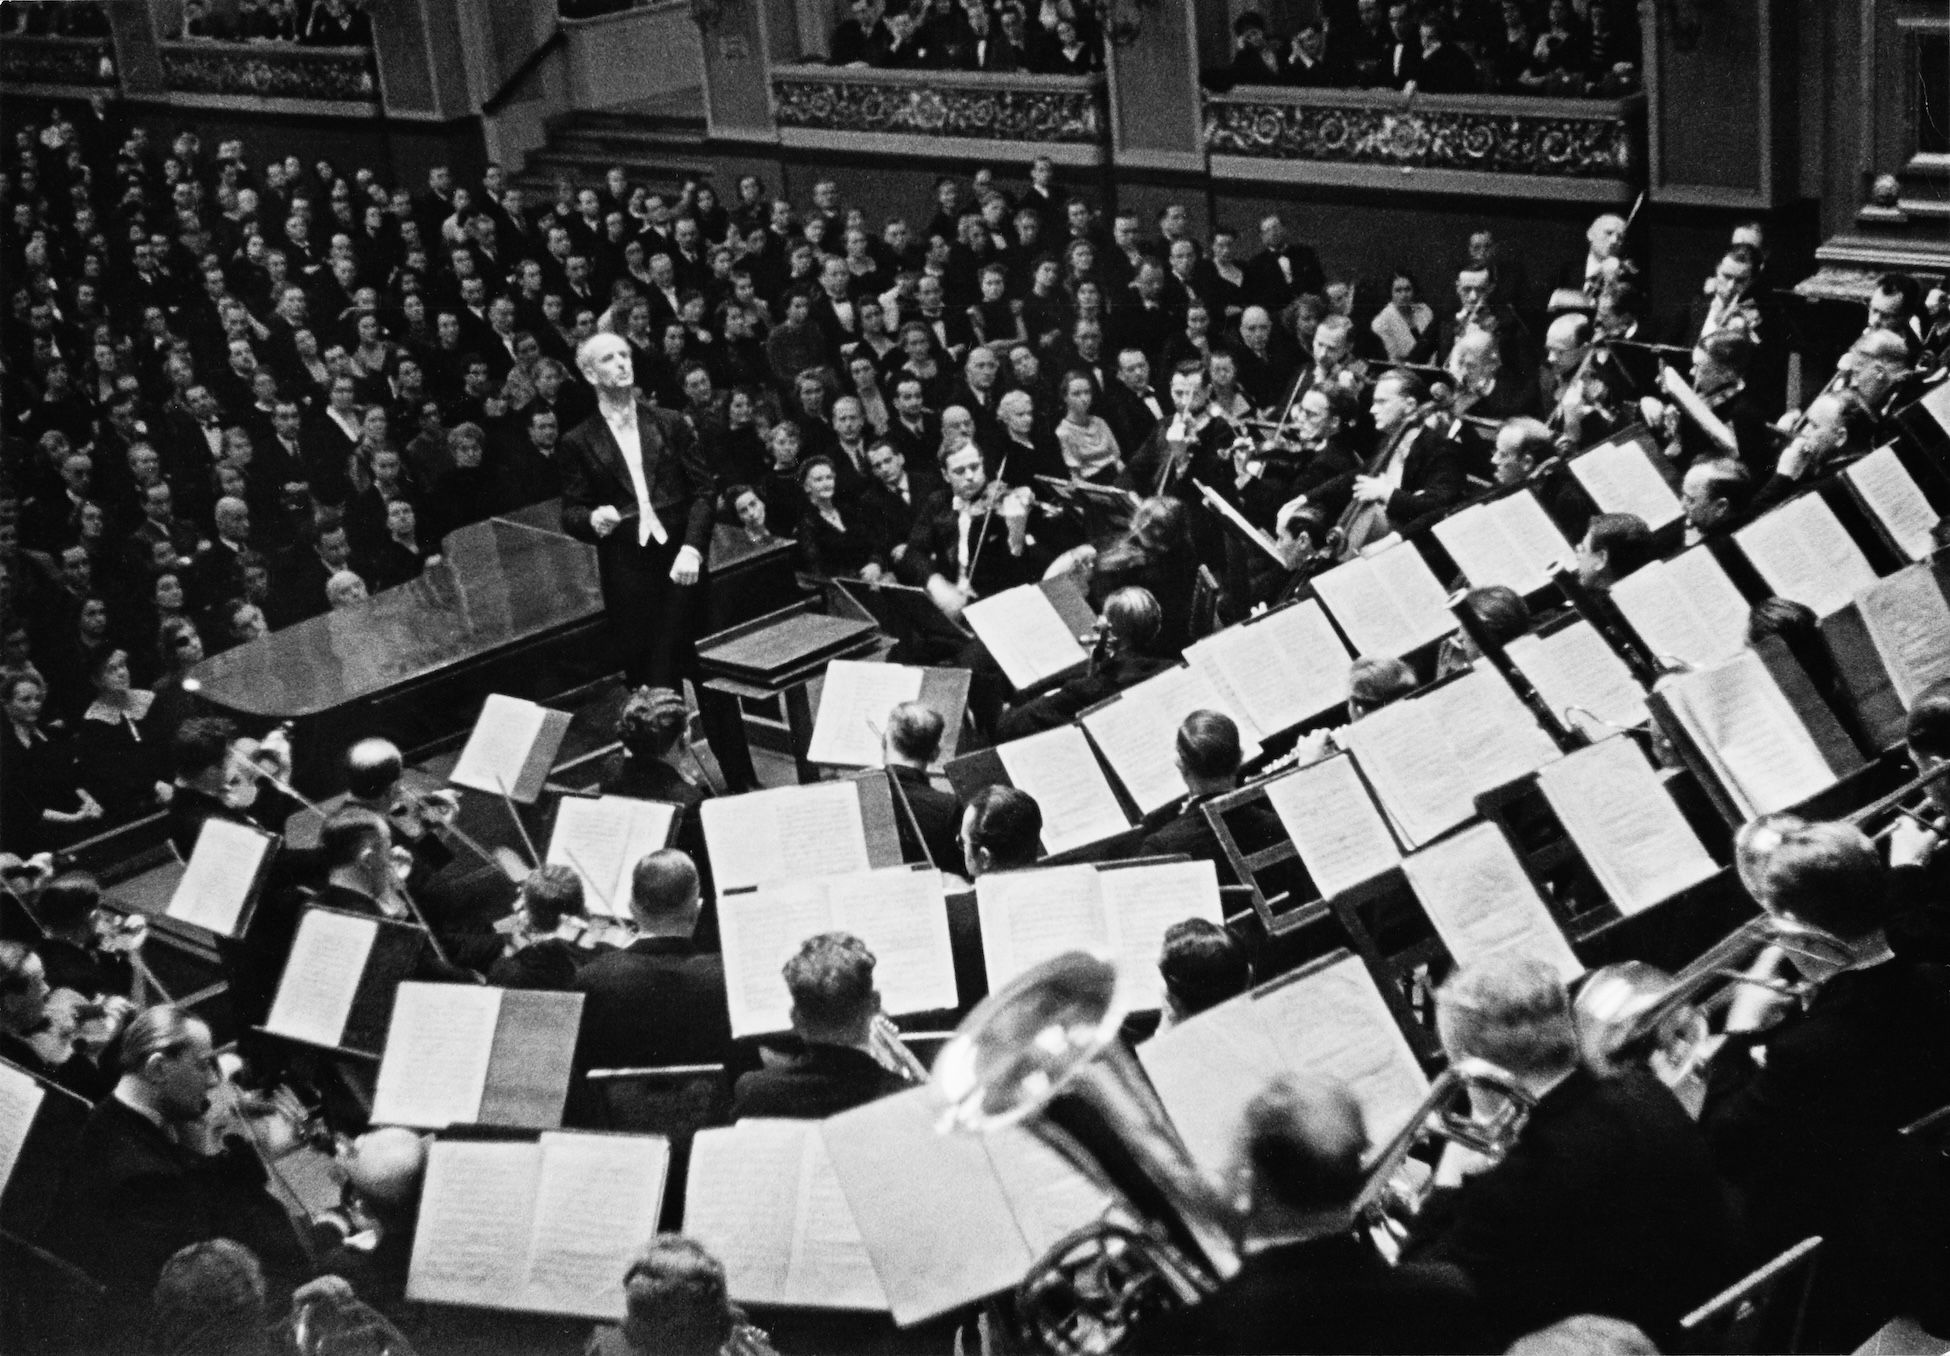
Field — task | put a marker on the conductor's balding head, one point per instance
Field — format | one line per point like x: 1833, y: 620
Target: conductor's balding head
x: 604, y: 361
x: 664, y: 895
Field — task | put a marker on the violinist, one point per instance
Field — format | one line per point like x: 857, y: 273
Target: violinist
x: 365, y: 873
x: 977, y: 534
x: 39, y: 1034
x: 1125, y: 654
x: 1720, y: 362
x: 84, y: 949
x: 549, y: 933
x: 1526, y: 451
x: 374, y: 769
x: 1415, y: 473
x: 160, y: 1165
x: 216, y: 779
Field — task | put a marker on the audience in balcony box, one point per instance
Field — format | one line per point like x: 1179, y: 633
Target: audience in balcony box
x: 1445, y: 47
x: 1059, y: 38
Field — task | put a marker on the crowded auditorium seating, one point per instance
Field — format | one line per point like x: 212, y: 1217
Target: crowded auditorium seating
x: 1200, y: 803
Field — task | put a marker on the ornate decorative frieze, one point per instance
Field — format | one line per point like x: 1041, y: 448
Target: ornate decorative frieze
x: 269, y: 71
x: 991, y: 108
x: 48, y: 60
x: 1582, y: 140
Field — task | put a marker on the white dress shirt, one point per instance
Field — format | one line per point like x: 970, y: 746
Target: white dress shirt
x: 623, y: 428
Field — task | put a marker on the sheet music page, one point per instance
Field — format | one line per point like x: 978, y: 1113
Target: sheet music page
x: 829, y: 1265
x: 1575, y: 667
x: 497, y: 750
x: 1416, y: 592
x: 1284, y: 669
x: 1029, y: 916
x: 1685, y: 608
x: 1493, y: 737
x: 476, y: 1213
x: 603, y: 839
x: 216, y: 885
x: 1909, y: 623
x: 1138, y: 740
x: 1059, y: 769
x: 1206, y: 1070
x: 1326, y: 810
x: 1374, y: 622
x: 1047, y: 1194
x: 1025, y: 635
x: 437, y: 1052
x: 596, y: 1204
x: 1138, y: 732
x: 1334, y: 1022
x: 1475, y: 891
x: 937, y: 1225
x: 1937, y: 402
x: 1618, y: 813
x: 1891, y: 493
x: 1140, y: 902
x: 902, y: 916
x: 1620, y: 478
x: 1535, y: 537
x: 321, y: 976
x: 1769, y: 758
x: 1805, y: 554
x: 1486, y: 554
x: 790, y: 832
x: 741, y: 1198
x: 760, y: 931
x: 1413, y: 770
x: 20, y: 1099
x: 853, y: 705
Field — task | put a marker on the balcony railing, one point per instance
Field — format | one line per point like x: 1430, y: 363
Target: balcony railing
x: 264, y: 70
x: 965, y: 114
x: 45, y: 60
x: 1492, y: 145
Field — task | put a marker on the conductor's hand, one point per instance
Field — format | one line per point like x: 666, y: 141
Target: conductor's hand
x: 684, y: 569
x: 603, y: 521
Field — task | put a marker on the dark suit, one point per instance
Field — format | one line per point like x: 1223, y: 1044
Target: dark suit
x: 1267, y: 282
x: 1811, y: 1137
x: 1608, y: 1204
x: 1182, y: 828
x: 937, y: 812
x: 657, y: 1001
x: 1070, y: 700
x: 825, y: 1081
x: 133, y: 1199
x: 649, y: 614
x: 1432, y: 478
x: 1330, y: 1294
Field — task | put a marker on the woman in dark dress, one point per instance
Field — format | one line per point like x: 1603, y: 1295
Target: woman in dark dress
x: 42, y: 804
x: 118, y: 754
x: 847, y: 545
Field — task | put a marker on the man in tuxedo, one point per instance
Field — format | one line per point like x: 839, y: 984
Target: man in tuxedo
x: 910, y: 741
x: 1208, y: 756
x: 835, y: 1009
x: 1282, y: 270
x: 659, y: 1000
x: 1416, y: 472
x: 1607, y: 1202
x: 1130, y: 406
x: 634, y: 467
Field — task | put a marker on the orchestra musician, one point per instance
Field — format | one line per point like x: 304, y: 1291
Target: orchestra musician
x: 1835, y: 429
x: 1607, y: 1203
x: 835, y: 1012
x: 977, y: 534
x: 1807, y: 1097
x: 1310, y: 1283
x: 1125, y: 653
x: 1202, y: 965
x: 910, y: 743
x: 159, y: 1166
x: 1415, y: 473
x: 1207, y: 755
x: 1919, y: 874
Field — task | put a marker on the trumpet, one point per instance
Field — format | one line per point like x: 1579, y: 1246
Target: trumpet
x: 1385, y: 1205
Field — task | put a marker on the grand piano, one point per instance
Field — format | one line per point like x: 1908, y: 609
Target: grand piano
x: 514, y: 606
